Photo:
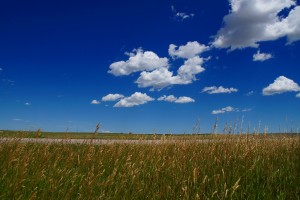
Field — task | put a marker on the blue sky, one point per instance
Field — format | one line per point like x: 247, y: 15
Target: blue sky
x: 149, y: 66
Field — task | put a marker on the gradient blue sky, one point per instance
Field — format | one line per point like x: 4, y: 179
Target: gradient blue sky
x: 234, y: 60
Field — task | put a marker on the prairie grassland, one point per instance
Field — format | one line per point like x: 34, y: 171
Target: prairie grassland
x: 86, y: 135
x: 235, y: 168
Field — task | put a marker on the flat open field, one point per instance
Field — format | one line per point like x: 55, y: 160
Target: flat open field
x: 168, y: 167
x: 79, y: 135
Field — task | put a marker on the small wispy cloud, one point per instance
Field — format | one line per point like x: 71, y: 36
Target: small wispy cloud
x: 17, y: 119
x: 170, y: 98
x: 180, y: 16
x: 298, y: 95
x: 261, y: 56
x: 8, y: 81
x: 230, y: 109
x: 1, y: 69
x: 112, y: 97
x: 246, y: 110
x: 173, y: 99
x: 223, y: 110
x: 218, y: 90
x: 27, y: 104
x: 95, y: 102
x: 250, y: 93
x: 184, y: 100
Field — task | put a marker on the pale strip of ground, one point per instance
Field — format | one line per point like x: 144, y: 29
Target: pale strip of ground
x: 113, y: 141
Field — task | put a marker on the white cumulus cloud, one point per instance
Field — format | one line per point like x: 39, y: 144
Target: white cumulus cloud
x: 154, y: 71
x: 261, y: 56
x: 112, y: 97
x: 138, y: 61
x: 162, y: 77
x: 190, y: 68
x: 251, y: 22
x: 135, y: 99
x: 281, y: 85
x: 218, y: 90
x: 191, y: 49
x: 157, y: 79
x: 223, y: 110
x: 95, y: 102
x: 172, y: 98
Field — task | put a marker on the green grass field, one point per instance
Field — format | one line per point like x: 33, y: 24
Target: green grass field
x: 239, y: 167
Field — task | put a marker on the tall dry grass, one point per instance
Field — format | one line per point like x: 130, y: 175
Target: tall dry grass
x: 223, y: 168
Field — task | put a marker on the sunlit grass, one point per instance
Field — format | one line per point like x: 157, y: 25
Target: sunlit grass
x: 231, y: 168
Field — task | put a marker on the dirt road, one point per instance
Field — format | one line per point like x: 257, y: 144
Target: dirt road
x: 94, y: 141
x: 142, y: 141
